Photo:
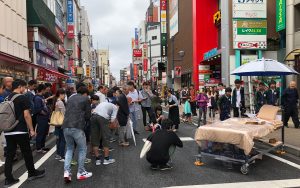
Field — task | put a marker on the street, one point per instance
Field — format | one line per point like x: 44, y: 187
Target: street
x: 131, y: 171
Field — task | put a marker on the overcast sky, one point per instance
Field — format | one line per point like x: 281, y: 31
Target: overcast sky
x: 112, y: 24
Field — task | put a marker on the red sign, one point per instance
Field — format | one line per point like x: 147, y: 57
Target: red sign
x: 137, y: 53
x: 163, y: 4
x: 61, y: 49
x: 135, y: 71
x: 178, y: 71
x: 70, y: 64
x: 248, y: 44
x: 60, y: 34
x: 71, y: 32
x: 145, y: 65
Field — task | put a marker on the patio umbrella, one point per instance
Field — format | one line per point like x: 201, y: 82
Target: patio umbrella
x: 264, y: 67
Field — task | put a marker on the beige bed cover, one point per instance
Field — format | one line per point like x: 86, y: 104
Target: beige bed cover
x: 235, y: 131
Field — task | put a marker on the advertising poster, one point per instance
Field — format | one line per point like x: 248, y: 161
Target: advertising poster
x: 173, y: 15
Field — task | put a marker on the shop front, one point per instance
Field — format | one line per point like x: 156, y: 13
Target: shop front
x: 210, y: 69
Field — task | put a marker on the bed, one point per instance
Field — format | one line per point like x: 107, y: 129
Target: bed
x: 233, y: 140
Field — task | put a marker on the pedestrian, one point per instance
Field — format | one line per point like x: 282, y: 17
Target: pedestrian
x: 49, y: 96
x: 173, y: 110
x: 202, y: 100
x: 212, y: 104
x: 134, y: 107
x: 273, y: 94
x: 221, y: 89
x: 7, y: 82
x: 163, y: 146
x: 95, y: 101
x: 19, y: 135
x: 1, y: 92
x: 111, y: 96
x: 289, y: 100
x: 146, y: 106
x: 78, y: 111
x: 238, y: 99
x: 159, y: 115
x: 60, y: 106
x: 122, y: 116
x: 155, y: 100
x: 192, y: 97
x: 224, y: 104
x: 32, y: 85
x: 42, y: 119
x: 187, y: 111
x: 101, y: 93
x: 183, y: 95
x: 260, y: 97
x: 104, y: 115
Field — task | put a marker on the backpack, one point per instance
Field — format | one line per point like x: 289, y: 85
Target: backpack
x: 7, y: 114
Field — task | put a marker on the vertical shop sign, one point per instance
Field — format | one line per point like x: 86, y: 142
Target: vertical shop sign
x: 136, y: 37
x: 163, y: 21
x: 280, y: 15
x: 70, y: 19
x: 88, y: 71
x: 173, y: 15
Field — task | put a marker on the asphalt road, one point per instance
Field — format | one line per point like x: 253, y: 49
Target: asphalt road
x: 131, y: 171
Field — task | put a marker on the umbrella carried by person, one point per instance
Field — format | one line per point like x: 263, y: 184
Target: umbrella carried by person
x: 264, y: 67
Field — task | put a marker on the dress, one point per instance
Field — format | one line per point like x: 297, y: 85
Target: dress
x: 174, y: 111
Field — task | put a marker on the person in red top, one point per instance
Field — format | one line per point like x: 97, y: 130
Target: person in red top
x: 192, y: 94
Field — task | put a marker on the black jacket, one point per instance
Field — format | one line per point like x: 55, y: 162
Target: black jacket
x: 233, y: 102
x: 289, y: 98
x: 123, y: 111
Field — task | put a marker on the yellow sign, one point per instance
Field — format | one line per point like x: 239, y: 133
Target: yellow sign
x: 88, y: 71
x: 217, y: 17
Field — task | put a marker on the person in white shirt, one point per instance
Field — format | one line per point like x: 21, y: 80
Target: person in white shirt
x: 134, y: 107
x: 221, y: 89
x: 103, y: 115
x: 101, y: 93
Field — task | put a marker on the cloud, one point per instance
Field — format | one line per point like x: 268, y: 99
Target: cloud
x: 112, y: 24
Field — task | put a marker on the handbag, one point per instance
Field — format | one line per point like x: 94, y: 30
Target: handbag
x: 57, y: 119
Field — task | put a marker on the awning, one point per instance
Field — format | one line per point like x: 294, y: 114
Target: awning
x: 39, y: 15
x: 292, y: 54
x: 56, y: 73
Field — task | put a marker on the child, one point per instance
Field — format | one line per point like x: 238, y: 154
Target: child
x: 224, y: 104
x: 187, y: 111
x: 202, y: 100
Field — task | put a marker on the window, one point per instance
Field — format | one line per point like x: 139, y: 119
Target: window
x: 297, y: 18
x: 154, y: 37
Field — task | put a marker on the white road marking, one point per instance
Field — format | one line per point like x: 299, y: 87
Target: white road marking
x: 39, y: 163
x: 256, y: 184
x: 283, y: 160
x: 181, y: 138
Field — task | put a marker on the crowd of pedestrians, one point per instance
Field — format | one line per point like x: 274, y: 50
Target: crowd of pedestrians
x: 85, y: 119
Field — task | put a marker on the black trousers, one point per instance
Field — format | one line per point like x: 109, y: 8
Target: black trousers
x: 291, y: 112
x: 41, y: 132
x: 150, y: 114
x: 237, y: 111
x: 193, y: 108
x: 12, y: 142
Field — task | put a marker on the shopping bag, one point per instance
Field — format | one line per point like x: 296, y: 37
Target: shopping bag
x: 57, y: 119
x: 145, y: 148
x: 128, y: 131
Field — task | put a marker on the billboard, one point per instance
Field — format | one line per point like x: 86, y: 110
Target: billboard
x: 249, y: 34
x: 173, y: 15
x: 178, y: 71
x: 163, y: 25
x: 137, y: 53
x: 70, y: 19
x: 249, y: 9
x: 248, y: 58
x: 280, y: 15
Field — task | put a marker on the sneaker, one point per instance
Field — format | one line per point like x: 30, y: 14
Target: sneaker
x: 57, y: 157
x: 84, y: 175
x: 41, y: 151
x: 10, y: 182
x: 67, y: 177
x: 154, y: 167
x: 37, y: 174
x: 110, y: 149
x: 175, y: 130
x: 135, y: 132
x: 46, y: 149
x: 87, y: 160
x: 98, y: 162
x: 62, y: 160
x: 109, y: 161
x: 111, y: 140
x: 165, y: 167
x: 74, y: 163
x: 124, y: 144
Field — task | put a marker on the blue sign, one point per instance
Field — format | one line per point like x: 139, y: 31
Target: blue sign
x: 70, y: 13
x: 210, y: 53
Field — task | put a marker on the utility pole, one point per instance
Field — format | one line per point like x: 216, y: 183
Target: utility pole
x: 173, y: 62
x: 150, y: 60
x: 80, y: 54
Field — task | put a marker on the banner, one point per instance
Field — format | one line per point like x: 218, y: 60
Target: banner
x: 163, y: 25
x: 88, y: 71
x: 173, y: 15
x: 178, y: 71
x: 145, y: 65
x: 136, y: 37
x: 70, y: 20
x: 280, y: 15
x: 249, y: 9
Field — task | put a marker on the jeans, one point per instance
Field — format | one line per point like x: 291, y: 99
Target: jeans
x: 133, y: 117
x: 42, y: 132
x: 72, y: 136
x: 202, y: 114
x: 60, y: 142
x: 23, y: 141
x: 122, y: 134
x: 150, y: 114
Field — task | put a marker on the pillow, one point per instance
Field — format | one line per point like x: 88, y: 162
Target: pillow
x: 268, y: 112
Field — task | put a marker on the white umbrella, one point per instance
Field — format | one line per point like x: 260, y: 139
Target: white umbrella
x: 264, y: 67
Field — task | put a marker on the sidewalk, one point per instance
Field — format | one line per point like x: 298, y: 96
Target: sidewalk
x: 292, y: 135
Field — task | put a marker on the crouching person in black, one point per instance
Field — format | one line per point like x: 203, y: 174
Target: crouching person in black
x: 164, y: 142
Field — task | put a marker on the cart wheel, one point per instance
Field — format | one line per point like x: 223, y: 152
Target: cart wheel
x: 280, y: 152
x: 245, y: 169
x: 198, y: 162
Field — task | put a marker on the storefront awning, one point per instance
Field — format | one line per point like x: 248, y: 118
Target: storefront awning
x: 39, y: 15
x: 58, y: 74
x: 292, y: 54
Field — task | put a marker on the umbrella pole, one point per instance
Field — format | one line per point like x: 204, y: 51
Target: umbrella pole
x: 250, y: 93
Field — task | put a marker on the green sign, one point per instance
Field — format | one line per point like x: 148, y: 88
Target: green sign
x: 280, y: 15
x: 251, y: 31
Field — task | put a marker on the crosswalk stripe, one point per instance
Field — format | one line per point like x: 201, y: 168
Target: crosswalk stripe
x: 257, y: 184
x: 184, y: 139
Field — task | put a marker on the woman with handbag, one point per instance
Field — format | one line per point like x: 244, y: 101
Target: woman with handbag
x: 57, y: 119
